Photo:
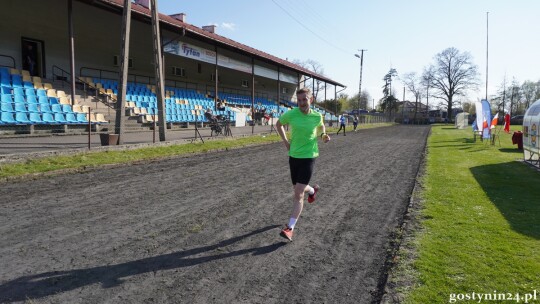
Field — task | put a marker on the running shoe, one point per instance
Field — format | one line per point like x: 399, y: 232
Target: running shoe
x: 287, y: 233
x: 311, y: 198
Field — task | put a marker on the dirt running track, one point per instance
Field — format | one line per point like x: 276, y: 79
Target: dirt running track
x: 204, y: 229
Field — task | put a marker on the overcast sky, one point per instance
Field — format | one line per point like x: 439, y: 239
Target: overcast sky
x: 400, y: 34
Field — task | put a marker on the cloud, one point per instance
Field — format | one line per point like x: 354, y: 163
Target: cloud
x: 228, y: 25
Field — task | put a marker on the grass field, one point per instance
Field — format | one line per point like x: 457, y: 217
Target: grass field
x: 479, y: 223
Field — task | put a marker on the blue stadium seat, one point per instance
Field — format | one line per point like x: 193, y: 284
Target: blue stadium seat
x: 6, y: 107
x: 20, y: 107
x: 71, y: 118
x: 6, y: 90
x: 57, y: 108
x: 48, y: 118
x: 59, y: 118
x: 4, y: 71
x: 45, y: 108
x: 33, y: 108
x: 7, y: 118
x: 81, y: 118
x: 6, y: 98
x: 41, y: 92
x: 19, y: 98
x: 67, y: 108
x: 35, y: 118
x: 30, y: 92
x: 22, y: 118
x: 43, y: 100
x: 53, y: 101
x: 5, y: 82
x: 31, y: 99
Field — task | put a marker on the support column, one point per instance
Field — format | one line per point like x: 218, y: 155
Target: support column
x: 71, y: 50
x: 158, y: 69
x: 253, y: 95
x: 216, y: 81
x: 121, y: 102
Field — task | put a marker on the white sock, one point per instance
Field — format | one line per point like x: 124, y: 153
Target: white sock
x: 311, y: 191
x: 292, y: 222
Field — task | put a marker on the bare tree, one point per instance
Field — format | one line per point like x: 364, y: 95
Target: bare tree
x: 454, y: 74
x: 528, y: 90
x: 515, y: 97
x: 427, y: 79
x: 316, y: 68
x: 414, y: 84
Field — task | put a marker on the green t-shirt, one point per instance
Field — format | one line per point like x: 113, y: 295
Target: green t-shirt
x: 303, y: 132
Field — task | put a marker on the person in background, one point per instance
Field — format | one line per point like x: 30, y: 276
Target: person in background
x: 342, y: 120
x: 355, y: 123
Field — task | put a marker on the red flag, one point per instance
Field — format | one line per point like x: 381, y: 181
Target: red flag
x: 495, y: 121
x: 485, y: 125
x: 507, y: 123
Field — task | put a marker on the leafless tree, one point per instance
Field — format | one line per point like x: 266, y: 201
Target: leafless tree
x: 413, y: 83
x: 528, y: 90
x: 454, y: 74
x: 316, y: 68
x: 427, y: 79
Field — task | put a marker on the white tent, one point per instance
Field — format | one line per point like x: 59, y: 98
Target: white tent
x: 531, y: 134
x: 462, y: 120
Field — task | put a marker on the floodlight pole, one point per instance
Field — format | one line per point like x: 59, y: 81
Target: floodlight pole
x: 361, y: 56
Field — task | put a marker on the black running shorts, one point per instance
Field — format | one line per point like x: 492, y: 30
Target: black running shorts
x: 301, y: 169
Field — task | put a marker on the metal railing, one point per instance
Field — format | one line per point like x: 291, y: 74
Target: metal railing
x: 65, y: 77
x: 135, y: 78
x: 7, y: 57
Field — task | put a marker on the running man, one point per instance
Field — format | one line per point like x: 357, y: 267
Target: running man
x: 303, y: 149
x: 355, y: 123
x: 342, y: 124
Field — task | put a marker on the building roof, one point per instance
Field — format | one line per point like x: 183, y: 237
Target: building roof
x: 220, y: 40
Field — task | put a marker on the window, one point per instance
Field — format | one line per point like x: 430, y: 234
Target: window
x: 245, y: 83
x: 116, y: 61
x: 284, y: 90
x: 199, y: 68
x: 213, y: 77
x: 176, y: 71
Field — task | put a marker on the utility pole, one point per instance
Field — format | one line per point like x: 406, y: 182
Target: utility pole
x: 361, y: 56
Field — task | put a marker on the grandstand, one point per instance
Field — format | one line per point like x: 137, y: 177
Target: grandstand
x: 36, y: 85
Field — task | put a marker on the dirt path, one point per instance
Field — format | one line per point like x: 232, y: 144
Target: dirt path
x: 204, y: 229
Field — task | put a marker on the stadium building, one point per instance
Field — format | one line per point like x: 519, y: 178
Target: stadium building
x: 43, y: 43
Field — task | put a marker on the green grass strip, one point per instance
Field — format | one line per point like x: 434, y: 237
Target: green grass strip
x: 480, y: 221
x: 92, y: 159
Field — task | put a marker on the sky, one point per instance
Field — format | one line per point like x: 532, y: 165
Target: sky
x: 400, y: 34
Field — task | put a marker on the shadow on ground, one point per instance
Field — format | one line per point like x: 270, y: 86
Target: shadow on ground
x: 49, y: 283
x: 513, y: 188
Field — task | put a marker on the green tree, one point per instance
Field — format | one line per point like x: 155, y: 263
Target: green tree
x: 388, y: 103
